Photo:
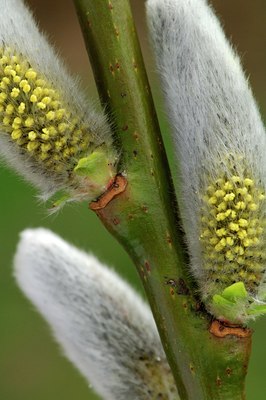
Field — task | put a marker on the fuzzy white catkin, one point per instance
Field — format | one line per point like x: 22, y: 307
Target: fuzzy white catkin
x: 217, y: 131
x: 50, y: 167
x: 103, y: 326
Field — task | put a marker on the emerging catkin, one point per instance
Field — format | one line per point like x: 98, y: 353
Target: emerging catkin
x: 102, y: 324
x: 220, y: 145
x: 49, y: 133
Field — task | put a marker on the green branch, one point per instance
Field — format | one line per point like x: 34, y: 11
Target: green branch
x: 144, y: 217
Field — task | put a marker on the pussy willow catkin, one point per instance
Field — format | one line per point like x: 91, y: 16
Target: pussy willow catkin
x: 221, y: 147
x: 49, y: 132
x: 36, y: 117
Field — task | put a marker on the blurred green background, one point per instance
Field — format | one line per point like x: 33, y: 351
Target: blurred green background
x: 31, y: 365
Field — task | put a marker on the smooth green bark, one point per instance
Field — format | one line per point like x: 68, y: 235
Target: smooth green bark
x: 144, y: 218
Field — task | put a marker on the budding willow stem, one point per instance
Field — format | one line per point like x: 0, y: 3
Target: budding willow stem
x: 144, y: 218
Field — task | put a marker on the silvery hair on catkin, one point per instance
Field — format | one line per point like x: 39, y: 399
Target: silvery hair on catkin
x: 103, y: 326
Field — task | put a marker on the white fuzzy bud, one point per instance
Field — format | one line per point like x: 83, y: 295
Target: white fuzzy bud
x: 104, y: 327
x: 221, y: 147
x: 48, y: 131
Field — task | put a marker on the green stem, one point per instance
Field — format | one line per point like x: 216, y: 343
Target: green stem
x: 144, y: 217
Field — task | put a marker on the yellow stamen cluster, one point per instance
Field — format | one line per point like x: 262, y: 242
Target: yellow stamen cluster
x: 233, y: 228
x: 36, y: 117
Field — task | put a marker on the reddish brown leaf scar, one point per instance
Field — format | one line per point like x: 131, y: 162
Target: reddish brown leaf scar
x: 221, y: 330
x: 118, y: 186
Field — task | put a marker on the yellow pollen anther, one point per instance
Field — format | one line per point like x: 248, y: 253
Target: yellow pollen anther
x: 212, y: 200
x: 212, y: 224
x: 222, y: 206
x: 3, y: 97
x: 242, y: 191
x: 228, y: 186
x: 247, y: 242
x: 46, y: 100
x: 229, y: 197
x: 38, y: 91
x: 248, y: 198
x: 220, y: 216
x: 243, y: 223
x: 242, y: 234
x: 9, y: 109
x: 46, y: 147
x: 221, y: 232
x: 16, y: 134
x: 17, y: 79
x: 229, y: 241
x: 214, y: 240
x: 21, y: 108
x: 23, y: 83
x: 33, y: 98
x: 45, y: 136
x: 41, y: 105
x: 58, y: 145
x: 229, y: 255
x: 62, y: 127
x: 46, y: 91
x: 233, y: 214
x: 32, y: 146
x: 50, y: 115
x: 253, y: 206
x: 40, y: 82
x: 6, y: 121
x: 17, y: 121
x: 240, y: 205
x: 8, y: 70
x: 221, y: 245
x: 3, y: 85
x: 26, y: 88
x: 251, y: 231
x: 3, y: 60
x: 242, y: 274
x: 32, y: 135
x: 234, y: 227
x: 248, y: 182
x: 66, y: 153
x: 15, y: 92
x: 43, y: 156
x: 31, y: 74
x: 239, y: 250
x: 60, y: 113
x: 228, y: 212
x: 52, y: 131
x: 219, y: 193
x: 29, y: 122
x: 54, y: 104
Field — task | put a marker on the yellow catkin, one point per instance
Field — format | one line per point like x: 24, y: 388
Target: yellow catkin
x: 232, y: 228
x: 36, y: 116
